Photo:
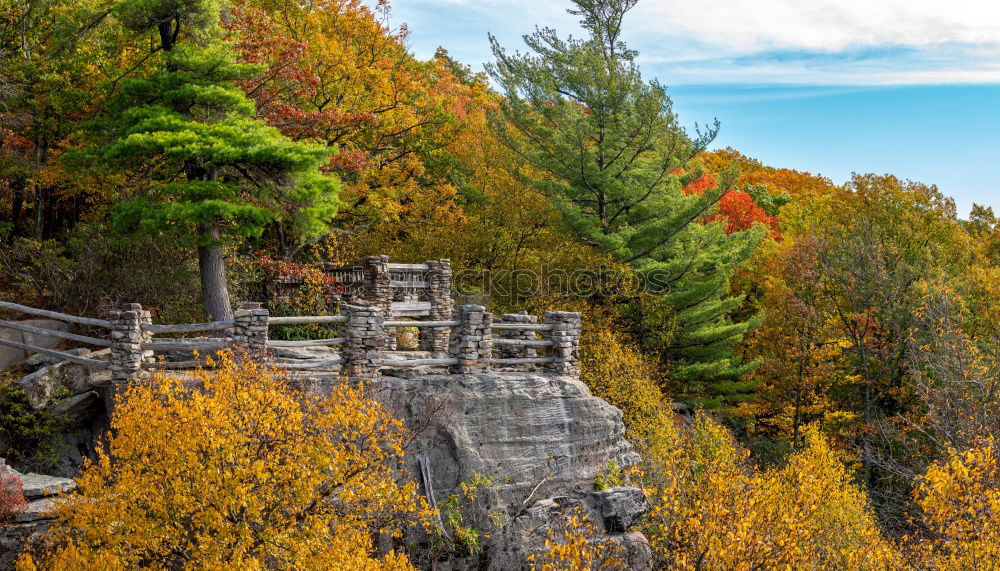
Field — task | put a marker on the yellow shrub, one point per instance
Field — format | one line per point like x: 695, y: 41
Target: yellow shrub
x: 711, y: 509
x: 616, y: 370
x: 572, y: 543
x: 244, y: 472
x: 960, y: 498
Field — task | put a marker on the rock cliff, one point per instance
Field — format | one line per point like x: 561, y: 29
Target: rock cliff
x: 542, y: 440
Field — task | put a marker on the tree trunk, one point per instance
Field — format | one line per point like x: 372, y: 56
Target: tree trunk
x: 17, y: 203
x: 212, y: 264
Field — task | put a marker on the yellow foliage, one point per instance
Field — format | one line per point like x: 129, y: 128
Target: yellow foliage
x: 960, y: 499
x: 711, y: 509
x: 242, y: 472
x: 616, y: 370
x: 572, y: 544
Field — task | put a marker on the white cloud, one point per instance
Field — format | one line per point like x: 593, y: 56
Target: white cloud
x: 829, y: 25
x: 833, y: 42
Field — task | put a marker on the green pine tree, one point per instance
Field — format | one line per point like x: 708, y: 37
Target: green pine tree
x: 215, y: 172
x: 606, y: 146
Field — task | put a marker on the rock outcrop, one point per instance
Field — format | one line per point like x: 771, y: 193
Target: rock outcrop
x: 33, y: 522
x: 77, y: 396
x: 12, y: 355
x: 542, y: 439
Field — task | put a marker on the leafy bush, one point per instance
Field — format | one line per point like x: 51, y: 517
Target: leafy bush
x: 27, y: 436
x: 710, y: 509
x: 12, y: 501
x: 243, y: 471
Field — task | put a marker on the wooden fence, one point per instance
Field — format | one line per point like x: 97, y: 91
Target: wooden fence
x: 471, y: 341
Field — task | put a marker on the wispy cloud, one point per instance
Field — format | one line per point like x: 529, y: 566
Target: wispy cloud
x: 824, y: 42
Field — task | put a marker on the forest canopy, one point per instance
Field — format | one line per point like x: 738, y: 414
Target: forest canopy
x: 801, y: 339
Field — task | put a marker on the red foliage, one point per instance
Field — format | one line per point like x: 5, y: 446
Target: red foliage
x: 699, y: 185
x: 736, y: 207
x: 12, y: 501
x: 741, y: 213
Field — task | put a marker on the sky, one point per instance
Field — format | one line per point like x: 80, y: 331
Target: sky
x: 908, y: 87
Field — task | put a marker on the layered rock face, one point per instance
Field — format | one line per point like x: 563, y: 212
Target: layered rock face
x: 541, y: 438
x: 39, y: 491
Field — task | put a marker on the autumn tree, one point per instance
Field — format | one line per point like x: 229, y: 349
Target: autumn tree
x: 798, y: 341
x: 236, y: 468
x: 605, y: 146
x: 711, y: 509
x: 338, y: 74
x: 216, y: 171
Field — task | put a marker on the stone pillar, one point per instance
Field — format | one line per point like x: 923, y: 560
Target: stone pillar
x: 438, y: 279
x: 565, y: 336
x: 471, y: 342
x: 250, y: 329
x: 518, y: 351
x: 362, y: 352
x: 127, y: 337
x: 378, y: 290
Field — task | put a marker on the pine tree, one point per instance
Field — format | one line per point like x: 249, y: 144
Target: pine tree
x: 608, y: 150
x: 215, y: 171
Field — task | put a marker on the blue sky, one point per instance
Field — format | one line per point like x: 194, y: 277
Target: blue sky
x: 909, y: 87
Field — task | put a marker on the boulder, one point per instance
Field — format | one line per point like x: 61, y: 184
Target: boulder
x: 38, y: 360
x: 64, y: 379
x: 541, y: 438
x: 41, y: 486
x: 524, y: 429
x: 11, y: 355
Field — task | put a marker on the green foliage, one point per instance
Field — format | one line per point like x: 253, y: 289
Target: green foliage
x: 468, y: 517
x: 605, y: 146
x: 239, y: 173
x: 769, y: 203
x: 612, y: 476
x: 28, y: 437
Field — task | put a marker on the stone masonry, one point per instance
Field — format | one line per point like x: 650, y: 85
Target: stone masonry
x: 365, y: 333
x: 471, y: 341
x: 250, y: 328
x: 438, y: 279
x: 565, y: 337
x: 127, y: 337
x: 378, y: 290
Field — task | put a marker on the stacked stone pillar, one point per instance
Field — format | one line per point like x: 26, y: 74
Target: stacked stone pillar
x: 250, y: 329
x: 365, y: 333
x: 471, y: 341
x: 565, y: 337
x: 127, y: 338
x: 438, y: 279
x: 378, y: 290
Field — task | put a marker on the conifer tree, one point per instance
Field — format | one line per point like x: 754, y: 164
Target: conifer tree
x: 609, y: 152
x: 214, y: 170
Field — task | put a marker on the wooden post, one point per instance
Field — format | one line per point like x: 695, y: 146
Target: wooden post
x: 518, y: 351
x: 250, y: 329
x: 565, y: 337
x: 472, y: 341
x: 127, y: 337
x: 365, y: 333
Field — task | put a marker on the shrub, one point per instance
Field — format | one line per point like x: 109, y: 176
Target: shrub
x: 243, y: 471
x: 960, y: 499
x: 710, y: 509
x: 12, y: 501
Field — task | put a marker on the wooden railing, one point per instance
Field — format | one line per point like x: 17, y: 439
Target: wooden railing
x: 464, y: 344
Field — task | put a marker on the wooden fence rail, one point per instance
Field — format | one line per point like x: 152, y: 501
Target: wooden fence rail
x: 464, y: 344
